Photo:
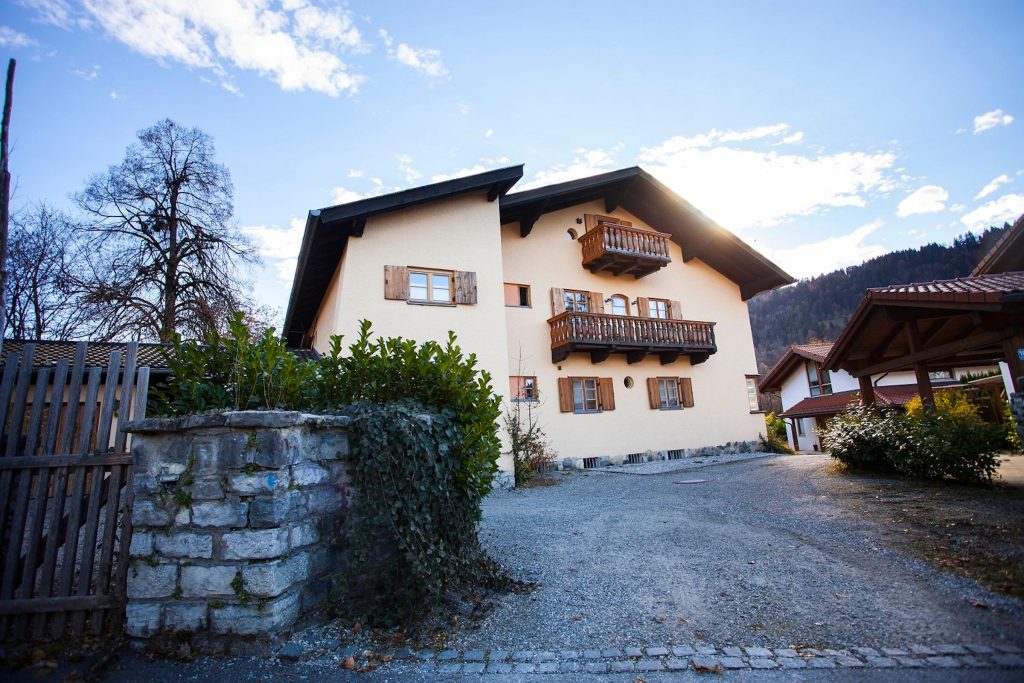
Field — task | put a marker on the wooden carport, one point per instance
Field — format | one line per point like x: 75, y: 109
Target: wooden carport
x: 974, y: 320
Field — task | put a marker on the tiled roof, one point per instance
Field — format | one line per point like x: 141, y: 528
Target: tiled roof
x: 816, y: 351
x: 98, y: 353
x: 974, y: 289
x: 830, y: 404
x: 773, y: 379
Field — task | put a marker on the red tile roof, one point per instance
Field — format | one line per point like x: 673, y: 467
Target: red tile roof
x: 830, y: 404
x: 773, y: 379
x: 973, y: 289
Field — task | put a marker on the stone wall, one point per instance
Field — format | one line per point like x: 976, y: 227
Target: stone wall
x: 238, y: 527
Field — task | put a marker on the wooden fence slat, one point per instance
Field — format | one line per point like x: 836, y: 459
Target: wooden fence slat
x: 67, y: 573
x: 85, y: 433
x: 35, y: 421
x: 92, y: 520
x: 49, y: 568
x: 107, y: 406
x: 60, y: 378
x: 6, y: 387
x: 74, y: 393
x: 103, y: 578
x: 124, y: 403
x: 139, y: 412
x: 17, y: 531
x: 58, y: 604
x: 35, y: 532
x: 20, y: 401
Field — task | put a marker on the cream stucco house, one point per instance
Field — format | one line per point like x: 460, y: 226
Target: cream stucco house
x: 611, y: 303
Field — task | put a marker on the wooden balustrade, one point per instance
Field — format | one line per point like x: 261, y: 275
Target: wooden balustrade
x: 621, y: 250
x: 602, y: 334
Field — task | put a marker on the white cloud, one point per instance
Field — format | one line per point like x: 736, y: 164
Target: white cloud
x: 461, y: 173
x: 355, y: 173
x: 993, y: 185
x: 832, y: 253
x: 343, y: 195
x: 744, y: 189
x: 425, y: 60
x: 586, y: 162
x: 295, y: 43
x: 489, y: 133
x: 956, y: 208
x: 405, y: 166
x: 793, y: 139
x: 991, y: 119
x: 114, y: 95
x: 1006, y: 209
x: 463, y: 108
x: 280, y: 246
x: 87, y: 74
x: 13, y: 39
x: 927, y: 199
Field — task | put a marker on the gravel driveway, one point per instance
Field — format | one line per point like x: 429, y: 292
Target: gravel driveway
x: 755, y: 555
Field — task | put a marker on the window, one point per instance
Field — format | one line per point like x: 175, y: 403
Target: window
x: 430, y: 286
x: 668, y: 393
x: 799, y: 426
x: 584, y: 395
x: 517, y: 296
x: 576, y: 301
x: 522, y: 388
x: 572, y: 234
x: 752, y: 399
x: 657, y: 308
x: 619, y: 305
x: 820, y: 380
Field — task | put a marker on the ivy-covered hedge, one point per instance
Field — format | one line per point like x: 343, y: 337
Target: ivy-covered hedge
x: 420, y: 479
x: 954, y: 444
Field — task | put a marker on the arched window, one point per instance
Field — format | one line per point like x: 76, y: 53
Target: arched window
x: 619, y: 305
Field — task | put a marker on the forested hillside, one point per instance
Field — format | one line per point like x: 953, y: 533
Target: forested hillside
x: 818, y: 308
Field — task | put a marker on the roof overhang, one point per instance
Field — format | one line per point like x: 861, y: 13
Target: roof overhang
x: 790, y: 361
x: 651, y: 201
x: 328, y: 230
x: 1006, y: 255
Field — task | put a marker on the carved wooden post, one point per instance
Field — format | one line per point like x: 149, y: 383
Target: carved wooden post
x: 867, y: 392
x: 924, y: 382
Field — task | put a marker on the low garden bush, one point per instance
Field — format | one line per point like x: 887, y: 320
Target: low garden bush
x: 423, y: 450
x: 952, y: 442
x: 774, y: 440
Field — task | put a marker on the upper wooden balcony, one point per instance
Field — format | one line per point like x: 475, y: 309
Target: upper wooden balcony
x: 602, y: 334
x: 620, y: 249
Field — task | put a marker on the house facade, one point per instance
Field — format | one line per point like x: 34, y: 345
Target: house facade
x: 811, y: 394
x: 609, y: 305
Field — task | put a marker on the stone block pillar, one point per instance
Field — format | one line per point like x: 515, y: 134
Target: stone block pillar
x: 237, y: 527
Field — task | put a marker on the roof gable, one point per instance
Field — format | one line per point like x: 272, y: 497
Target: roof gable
x: 655, y: 204
x: 1005, y: 255
x: 794, y: 356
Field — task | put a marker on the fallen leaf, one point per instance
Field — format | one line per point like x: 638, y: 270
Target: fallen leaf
x: 980, y: 604
x: 357, y: 628
x: 576, y: 617
x: 658, y: 620
x: 751, y: 561
x: 819, y: 623
x: 349, y: 663
x: 386, y: 658
x: 701, y: 669
x: 841, y: 596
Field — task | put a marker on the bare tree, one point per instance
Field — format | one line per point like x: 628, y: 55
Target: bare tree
x: 161, y: 251
x: 37, y: 301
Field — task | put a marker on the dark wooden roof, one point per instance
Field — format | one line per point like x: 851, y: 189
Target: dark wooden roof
x: 960, y: 322
x: 1006, y: 255
x: 793, y: 357
x: 654, y: 203
x: 328, y: 230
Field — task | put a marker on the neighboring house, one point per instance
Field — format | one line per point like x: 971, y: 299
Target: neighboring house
x: 811, y: 395
x: 609, y: 302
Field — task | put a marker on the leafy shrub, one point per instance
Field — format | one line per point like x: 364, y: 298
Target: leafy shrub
x: 1013, y: 437
x: 955, y: 403
x: 233, y: 371
x: 774, y: 440
x: 935, y: 445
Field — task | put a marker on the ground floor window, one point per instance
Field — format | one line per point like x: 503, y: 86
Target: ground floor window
x: 799, y: 426
x: 584, y: 395
x: 752, y: 400
x: 668, y: 392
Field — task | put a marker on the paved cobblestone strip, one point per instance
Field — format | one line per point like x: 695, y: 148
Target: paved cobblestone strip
x: 707, y: 658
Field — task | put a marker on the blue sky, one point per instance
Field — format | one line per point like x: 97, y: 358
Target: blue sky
x: 824, y: 133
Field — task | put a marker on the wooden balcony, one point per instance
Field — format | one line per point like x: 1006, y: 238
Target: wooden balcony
x: 622, y: 250
x: 602, y: 334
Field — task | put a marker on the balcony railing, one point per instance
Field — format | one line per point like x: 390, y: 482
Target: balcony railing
x: 602, y: 334
x: 622, y: 250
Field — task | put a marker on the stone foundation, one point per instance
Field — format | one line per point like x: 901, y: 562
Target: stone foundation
x: 237, y: 527
x: 655, y: 456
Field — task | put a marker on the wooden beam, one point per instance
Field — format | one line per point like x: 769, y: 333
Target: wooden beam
x: 560, y: 354
x: 600, y: 355
x: 668, y: 357
x: 867, y: 392
x: 698, y: 358
x: 934, y: 353
x: 493, y: 193
x: 924, y: 382
x: 358, y: 226
x: 634, y: 357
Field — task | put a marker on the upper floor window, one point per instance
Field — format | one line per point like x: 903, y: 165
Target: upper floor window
x: 820, y: 380
x: 619, y: 305
x: 517, y: 296
x: 429, y: 286
x: 657, y: 308
x: 752, y: 399
x: 576, y: 301
x: 522, y: 388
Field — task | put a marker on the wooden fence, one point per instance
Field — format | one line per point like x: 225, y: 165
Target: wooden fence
x: 65, y: 492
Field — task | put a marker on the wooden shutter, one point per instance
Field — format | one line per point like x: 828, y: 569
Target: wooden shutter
x: 465, y: 287
x: 557, y: 300
x: 592, y: 220
x: 595, y: 302
x: 652, y: 392
x: 685, y: 392
x: 606, y: 393
x: 643, y: 310
x: 675, y: 310
x: 396, y: 282
x: 565, y: 394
